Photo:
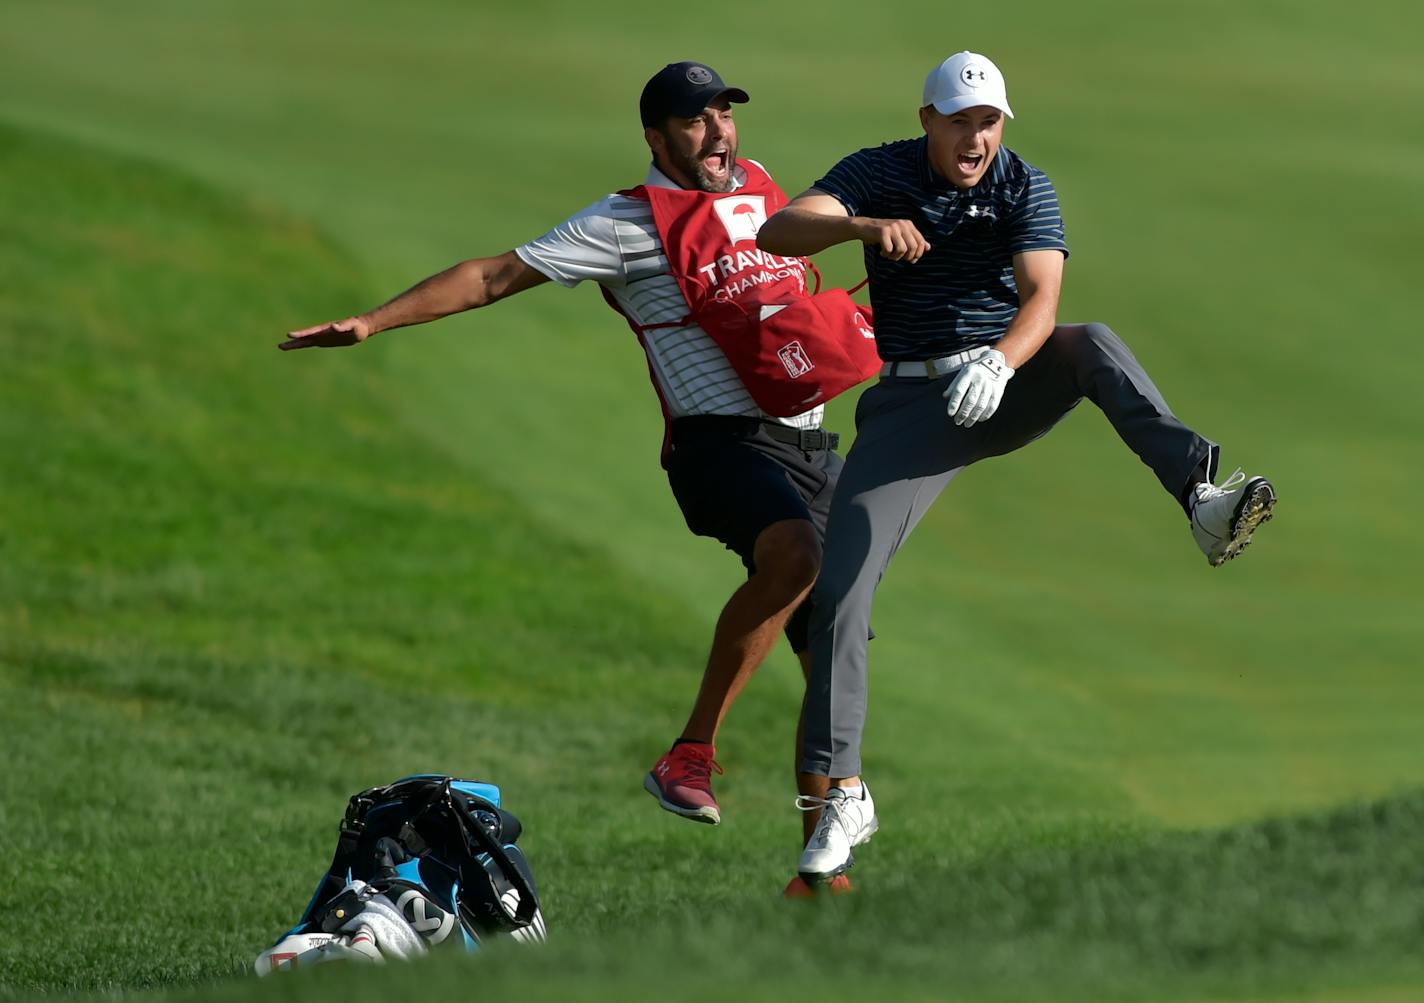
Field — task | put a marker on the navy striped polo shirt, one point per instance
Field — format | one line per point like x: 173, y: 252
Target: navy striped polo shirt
x: 962, y: 293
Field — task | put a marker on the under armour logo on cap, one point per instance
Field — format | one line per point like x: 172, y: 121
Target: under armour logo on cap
x: 699, y: 75
x: 970, y: 73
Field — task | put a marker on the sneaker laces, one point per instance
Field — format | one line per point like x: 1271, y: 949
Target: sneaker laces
x: 1206, y: 491
x: 698, y: 765
x: 831, y: 809
x: 830, y: 814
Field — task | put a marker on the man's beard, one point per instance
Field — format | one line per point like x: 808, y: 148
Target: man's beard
x: 692, y: 167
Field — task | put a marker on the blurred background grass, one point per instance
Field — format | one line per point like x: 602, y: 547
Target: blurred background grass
x: 237, y: 586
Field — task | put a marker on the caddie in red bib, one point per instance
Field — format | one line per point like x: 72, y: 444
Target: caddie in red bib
x: 741, y: 353
x: 792, y: 349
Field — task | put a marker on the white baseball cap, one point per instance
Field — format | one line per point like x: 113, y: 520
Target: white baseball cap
x: 966, y: 80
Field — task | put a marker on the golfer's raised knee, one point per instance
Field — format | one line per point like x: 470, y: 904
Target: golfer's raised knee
x: 1101, y: 338
x: 1080, y: 344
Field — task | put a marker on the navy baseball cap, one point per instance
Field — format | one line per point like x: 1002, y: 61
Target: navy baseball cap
x: 684, y: 89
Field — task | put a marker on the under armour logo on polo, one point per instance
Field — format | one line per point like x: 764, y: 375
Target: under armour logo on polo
x: 980, y: 212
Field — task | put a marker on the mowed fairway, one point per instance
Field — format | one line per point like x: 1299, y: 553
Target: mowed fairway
x: 237, y: 586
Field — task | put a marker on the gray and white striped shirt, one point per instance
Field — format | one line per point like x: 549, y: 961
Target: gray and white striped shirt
x: 615, y: 243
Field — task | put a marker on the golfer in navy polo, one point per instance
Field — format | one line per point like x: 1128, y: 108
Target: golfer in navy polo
x: 964, y: 247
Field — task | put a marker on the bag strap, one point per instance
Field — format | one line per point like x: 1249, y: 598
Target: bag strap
x: 353, y: 823
x: 528, y: 900
x: 816, y: 272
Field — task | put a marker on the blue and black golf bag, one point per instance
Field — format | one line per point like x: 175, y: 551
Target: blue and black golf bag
x: 424, y: 861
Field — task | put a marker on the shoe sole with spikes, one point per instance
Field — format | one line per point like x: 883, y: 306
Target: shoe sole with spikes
x: 1258, y: 504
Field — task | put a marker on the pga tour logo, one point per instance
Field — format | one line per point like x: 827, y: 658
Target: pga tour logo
x: 795, y: 359
x: 742, y: 215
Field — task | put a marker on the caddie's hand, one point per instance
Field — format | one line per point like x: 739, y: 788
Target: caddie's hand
x: 975, y: 393
x: 335, y: 334
x: 897, y: 239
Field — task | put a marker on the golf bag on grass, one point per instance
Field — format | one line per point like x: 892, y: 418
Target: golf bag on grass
x: 424, y: 861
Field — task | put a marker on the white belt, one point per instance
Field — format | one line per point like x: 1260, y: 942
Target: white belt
x: 928, y: 369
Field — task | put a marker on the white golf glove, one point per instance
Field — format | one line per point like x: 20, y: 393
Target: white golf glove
x: 974, y: 394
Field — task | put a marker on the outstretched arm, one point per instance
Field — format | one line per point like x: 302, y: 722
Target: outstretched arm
x: 466, y: 286
x: 814, y: 221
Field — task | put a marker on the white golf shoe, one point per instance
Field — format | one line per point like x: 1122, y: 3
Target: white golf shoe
x: 847, y: 820
x: 1225, y: 516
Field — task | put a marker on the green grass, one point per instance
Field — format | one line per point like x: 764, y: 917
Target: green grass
x: 236, y: 586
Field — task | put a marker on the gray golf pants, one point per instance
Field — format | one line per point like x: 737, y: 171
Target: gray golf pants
x: 907, y: 450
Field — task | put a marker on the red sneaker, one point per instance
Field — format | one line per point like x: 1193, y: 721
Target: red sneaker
x: 800, y: 889
x: 682, y: 782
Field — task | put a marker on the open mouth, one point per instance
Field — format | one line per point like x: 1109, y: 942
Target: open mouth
x: 715, y: 162
x: 969, y: 162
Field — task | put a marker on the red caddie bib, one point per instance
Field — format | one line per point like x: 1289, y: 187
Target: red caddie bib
x: 792, y: 350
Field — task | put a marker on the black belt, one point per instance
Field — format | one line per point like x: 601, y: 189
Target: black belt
x: 713, y: 426
x: 808, y: 440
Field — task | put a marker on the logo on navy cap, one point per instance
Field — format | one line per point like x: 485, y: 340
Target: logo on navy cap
x: 699, y: 75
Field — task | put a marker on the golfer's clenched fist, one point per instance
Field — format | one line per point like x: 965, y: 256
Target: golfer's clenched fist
x: 898, y: 239
x: 817, y: 220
